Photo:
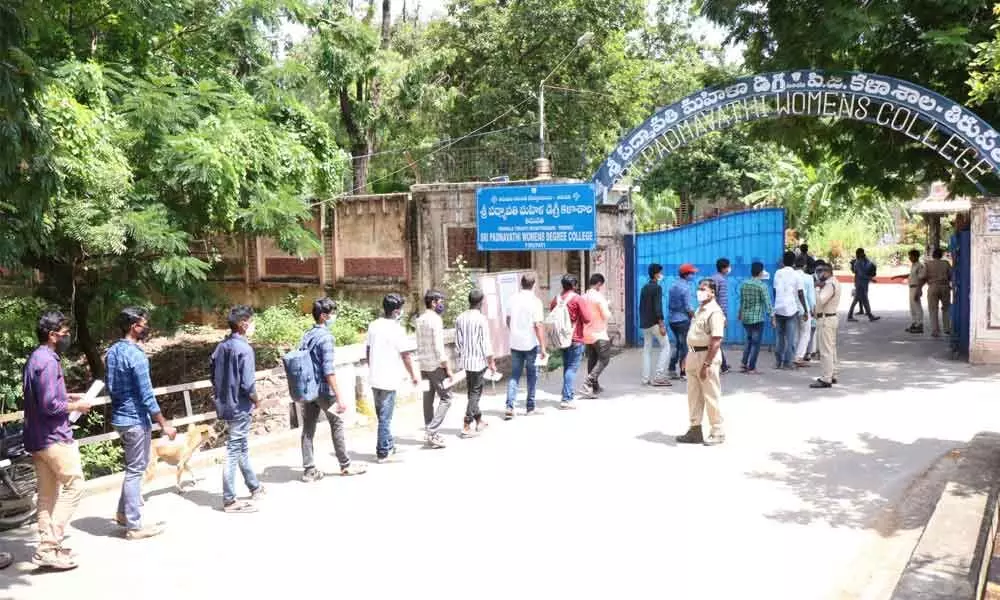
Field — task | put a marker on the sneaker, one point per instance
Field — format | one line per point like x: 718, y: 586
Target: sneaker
x: 715, y: 438
x: 384, y: 460
x: 508, y: 414
x: 147, y: 531
x: 258, y: 493
x: 534, y: 412
x: 481, y: 425
x: 873, y: 319
x: 239, y: 506
x: 353, y: 469
x: 661, y: 382
x: 467, y: 431
x: 312, y: 474
x: 436, y: 442
x: 564, y: 405
x: 644, y: 382
x: 54, y: 560
x: 820, y: 384
x: 693, y: 436
x: 587, y: 392
x: 851, y: 320
x: 120, y: 519
x: 676, y: 377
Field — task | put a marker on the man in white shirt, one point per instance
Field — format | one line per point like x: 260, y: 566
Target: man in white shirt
x: 434, y: 366
x: 807, y: 328
x: 475, y: 354
x: 527, y: 343
x: 790, y: 310
x: 387, y: 351
x: 595, y: 335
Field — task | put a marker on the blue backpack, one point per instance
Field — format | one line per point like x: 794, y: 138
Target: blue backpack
x: 303, y: 384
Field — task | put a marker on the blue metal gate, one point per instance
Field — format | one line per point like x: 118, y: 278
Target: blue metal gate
x: 960, y: 255
x: 743, y: 238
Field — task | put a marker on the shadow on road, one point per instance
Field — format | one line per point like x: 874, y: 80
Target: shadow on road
x: 658, y: 437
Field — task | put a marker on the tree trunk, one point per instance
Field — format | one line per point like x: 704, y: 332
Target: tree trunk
x: 386, y: 22
x: 84, y: 337
x: 359, y: 164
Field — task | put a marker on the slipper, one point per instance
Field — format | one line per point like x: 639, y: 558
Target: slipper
x: 239, y: 506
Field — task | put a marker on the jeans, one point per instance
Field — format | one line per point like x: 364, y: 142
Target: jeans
x: 522, y: 360
x: 474, y: 381
x: 648, y: 335
x: 385, y: 402
x: 860, y: 299
x: 680, y: 353
x: 309, y: 418
x: 788, y: 335
x: 238, y: 455
x: 135, y: 442
x: 598, y: 357
x: 755, y: 331
x: 435, y: 385
x: 571, y: 364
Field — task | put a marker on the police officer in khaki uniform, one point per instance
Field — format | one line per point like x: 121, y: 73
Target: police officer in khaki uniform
x: 827, y: 301
x: 704, y: 360
x: 938, y: 273
x: 918, y: 276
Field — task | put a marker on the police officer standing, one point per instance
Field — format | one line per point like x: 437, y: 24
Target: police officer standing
x: 827, y: 301
x: 703, y: 362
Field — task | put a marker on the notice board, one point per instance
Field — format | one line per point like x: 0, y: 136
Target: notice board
x: 498, y: 289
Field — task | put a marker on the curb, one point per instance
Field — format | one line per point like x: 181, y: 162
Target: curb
x: 951, y: 558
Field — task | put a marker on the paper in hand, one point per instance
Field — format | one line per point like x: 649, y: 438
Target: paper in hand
x: 89, y: 398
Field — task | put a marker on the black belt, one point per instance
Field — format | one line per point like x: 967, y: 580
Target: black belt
x: 821, y: 315
x: 699, y: 348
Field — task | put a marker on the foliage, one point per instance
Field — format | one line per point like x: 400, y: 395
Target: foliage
x: 457, y: 284
x: 284, y: 324
x: 102, y: 458
x: 892, y: 255
x: 18, y: 321
x: 837, y: 239
x: 654, y: 212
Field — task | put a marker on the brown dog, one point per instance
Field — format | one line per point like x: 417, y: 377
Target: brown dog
x: 178, y: 452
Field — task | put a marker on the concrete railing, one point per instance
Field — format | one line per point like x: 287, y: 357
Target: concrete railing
x: 349, y: 361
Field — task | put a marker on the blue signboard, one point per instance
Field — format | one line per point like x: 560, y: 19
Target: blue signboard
x: 536, y: 217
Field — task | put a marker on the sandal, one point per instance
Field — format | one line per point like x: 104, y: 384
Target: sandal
x: 239, y: 506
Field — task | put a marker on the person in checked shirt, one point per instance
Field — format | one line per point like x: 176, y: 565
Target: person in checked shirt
x: 433, y: 366
x: 475, y: 354
x: 49, y: 439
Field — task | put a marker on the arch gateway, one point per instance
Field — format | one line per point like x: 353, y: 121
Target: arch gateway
x: 954, y: 132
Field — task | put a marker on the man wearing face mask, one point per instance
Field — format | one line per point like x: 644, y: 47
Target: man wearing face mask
x: 653, y: 328
x: 133, y: 410
x: 703, y: 362
x: 679, y: 305
x: 827, y: 301
x: 434, y: 367
x: 320, y: 344
x: 388, y: 353
x: 232, y: 370
x: 49, y: 438
x: 722, y: 269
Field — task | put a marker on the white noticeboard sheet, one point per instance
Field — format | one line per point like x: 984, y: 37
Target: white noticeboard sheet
x: 992, y: 220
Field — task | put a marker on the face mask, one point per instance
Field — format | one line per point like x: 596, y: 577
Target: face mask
x: 703, y: 295
x: 439, y: 309
x: 64, y: 343
x: 144, y: 334
x: 399, y: 315
x: 251, y: 329
x: 330, y: 321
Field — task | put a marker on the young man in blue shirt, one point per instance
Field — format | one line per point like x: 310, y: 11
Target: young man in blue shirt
x: 680, y: 313
x: 133, y: 410
x: 233, y: 369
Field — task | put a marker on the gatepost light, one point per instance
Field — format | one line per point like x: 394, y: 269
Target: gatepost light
x: 581, y: 41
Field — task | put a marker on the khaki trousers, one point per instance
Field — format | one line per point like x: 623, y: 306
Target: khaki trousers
x: 703, y: 394
x: 828, y: 348
x: 939, y: 295
x: 60, y: 487
x: 916, y: 308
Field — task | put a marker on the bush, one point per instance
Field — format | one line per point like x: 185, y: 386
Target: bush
x: 457, y: 284
x: 837, y: 239
x: 18, y: 320
x: 283, y: 325
x: 102, y: 458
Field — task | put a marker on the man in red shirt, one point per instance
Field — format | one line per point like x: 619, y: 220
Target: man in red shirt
x: 579, y: 315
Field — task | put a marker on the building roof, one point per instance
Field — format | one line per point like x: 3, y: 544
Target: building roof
x: 939, y: 201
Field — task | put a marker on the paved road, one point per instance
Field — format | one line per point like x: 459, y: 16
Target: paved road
x: 599, y: 502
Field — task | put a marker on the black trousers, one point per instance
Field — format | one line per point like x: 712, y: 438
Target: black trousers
x: 598, y: 357
x: 474, y: 384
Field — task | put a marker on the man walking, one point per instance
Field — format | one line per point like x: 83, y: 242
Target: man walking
x: 232, y: 369
x: 595, y: 335
x: 938, y: 272
x: 808, y: 325
x: 827, y: 302
x: 320, y: 345
x: 722, y: 269
x: 475, y: 354
x: 790, y: 309
x: 133, y: 410
x: 704, y: 360
x: 754, y: 310
x: 434, y: 368
x: 527, y: 343
x: 579, y: 316
x: 917, y: 279
x: 49, y: 438
x: 864, y: 272
x: 386, y: 350
x: 680, y: 313
x: 653, y: 328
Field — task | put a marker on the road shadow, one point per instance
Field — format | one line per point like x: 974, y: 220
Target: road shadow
x: 192, y: 494
x: 98, y: 526
x: 658, y: 437
x: 279, y: 474
x: 844, y: 486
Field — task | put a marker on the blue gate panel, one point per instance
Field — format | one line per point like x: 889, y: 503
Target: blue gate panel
x: 743, y: 238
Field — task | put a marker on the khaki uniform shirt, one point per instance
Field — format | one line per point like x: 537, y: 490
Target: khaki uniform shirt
x: 938, y: 272
x: 828, y: 298
x: 709, y: 322
x: 918, y: 274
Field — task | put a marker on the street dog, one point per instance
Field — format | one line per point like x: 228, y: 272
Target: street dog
x: 178, y: 452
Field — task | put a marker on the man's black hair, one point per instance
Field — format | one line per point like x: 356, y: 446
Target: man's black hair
x: 323, y: 306
x: 722, y: 264
x: 391, y: 303
x: 655, y: 269
x: 129, y: 317
x: 237, y: 315
x: 596, y: 279
x: 756, y: 268
x: 51, y: 321
x: 476, y: 298
x: 432, y: 297
x: 788, y: 259
x: 569, y: 282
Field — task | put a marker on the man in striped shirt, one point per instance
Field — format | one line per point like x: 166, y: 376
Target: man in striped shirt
x: 475, y: 354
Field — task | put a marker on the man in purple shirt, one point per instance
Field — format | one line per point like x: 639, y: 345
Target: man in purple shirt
x: 49, y: 439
